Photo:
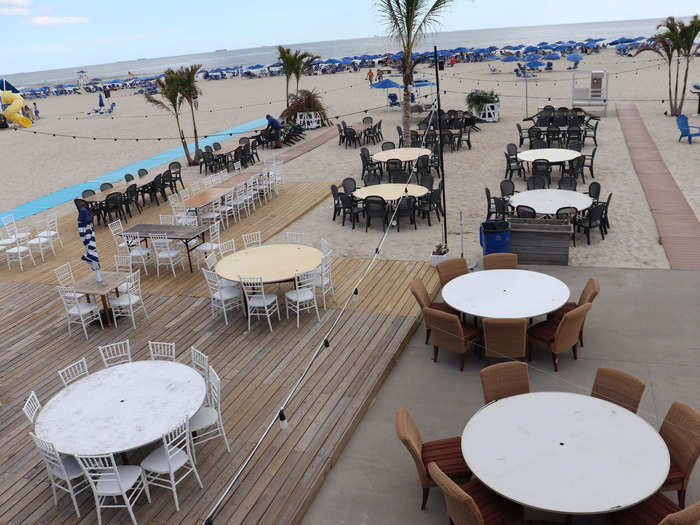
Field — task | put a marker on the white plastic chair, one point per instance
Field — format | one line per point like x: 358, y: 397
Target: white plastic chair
x: 207, y: 422
x: 110, y: 482
x: 167, y: 219
x: 64, y: 275
x: 251, y: 189
x: 51, y: 230
x: 222, y: 297
x: 13, y: 231
x: 229, y: 208
x: 200, y: 362
x: 184, y: 195
x: 161, y: 351
x: 116, y: 229
x: 251, y: 240
x: 140, y: 255
x: 17, y: 252
x: 323, y: 278
x: 41, y: 243
x: 78, y: 312
x: 129, y: 302
x: 259, y: 303
x: 302, y: 297
x: 73, y: 372
x: 213, y: 215
x: 64, y: 472
x: 115, y: 353
x: 325, y: 247
x: 167, y: 254
x: 211, y: 245
x: 211, y: 260
x: 31, y: 407
x: 227, y: 247
x: 241, y: 201
x: 294, y: 237
x: 162, y: 465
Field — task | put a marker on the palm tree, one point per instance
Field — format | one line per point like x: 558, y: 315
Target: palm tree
x: 294, y: 64
x: 189, y: 91
x: 676, y: 40
x: 169, y: 91
x: 407, y: 21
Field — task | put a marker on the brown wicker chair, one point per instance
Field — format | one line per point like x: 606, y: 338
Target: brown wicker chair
x: 501, y: 261
x: 504, y: 380
x: 474, y: 503
x: 421, y: 294
x: 450, y: 334
x: 618, y: 387
x: 681, y: 432
x: 558, y: 336
x: 446, y: 452
x: 451, y: 268
x: 589, y: 293
x: 504, y: 338
x: 656, y: 510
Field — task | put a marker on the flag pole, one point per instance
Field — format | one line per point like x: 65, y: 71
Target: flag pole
x: 442, y: 163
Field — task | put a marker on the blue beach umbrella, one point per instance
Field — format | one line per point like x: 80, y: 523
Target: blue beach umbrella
x: 346, y: 60
x: 87, y: 236
x: 491, y: 57
x: 552, y: 56
x: 574, y: 57
x: 510, y: 58
x: 387, y: 84
x: 423, y: 83
x: 530, y: 49
x: 535, y: 63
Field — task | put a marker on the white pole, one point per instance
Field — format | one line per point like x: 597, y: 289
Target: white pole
x: 525, y: 72
x: 461, y: 234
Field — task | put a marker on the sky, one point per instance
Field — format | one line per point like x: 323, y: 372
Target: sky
x: 46, y: 34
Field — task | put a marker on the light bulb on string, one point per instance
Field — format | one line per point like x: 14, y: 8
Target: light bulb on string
x: 284, y: 424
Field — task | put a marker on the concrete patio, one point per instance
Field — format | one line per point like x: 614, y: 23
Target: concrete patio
x: 644, y: 322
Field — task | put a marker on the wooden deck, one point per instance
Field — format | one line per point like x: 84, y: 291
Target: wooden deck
x: 257, y: 370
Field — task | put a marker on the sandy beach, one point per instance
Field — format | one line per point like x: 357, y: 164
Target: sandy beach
x: 42, y: 164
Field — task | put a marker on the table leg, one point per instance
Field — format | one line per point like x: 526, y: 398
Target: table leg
x: 106, y: 310
x: 189, y: 257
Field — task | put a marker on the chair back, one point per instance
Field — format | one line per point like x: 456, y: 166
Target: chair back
x: 590, y: 291
x: 618, y: 387
x: 372, y: 179
x: 87, y: 193
x: 501, y: 261
x: 161, y: 350
x: 408, y: 433
x: 681, y: 432
x: 375, y: 206
x: 420, y: 292
x: 50, y: 456
x: 595, y: 213
x: 252, y: 239
x: 106, y: 186
x: 566, y: 212
x: 213, y: 280
x: 461, y: 508
x: 211, y: 260
x: 68, y: 297
x: 142, y: 172
x: 252, y: 287
x: 102, y: 469
x: 388, y: 145
x: 227, y: 247
x: 682, y: 123
x: 536, y: 182
x: 446, y: 330
x: 167, y: 219
x: 115, y: 353
x: 215, y: 232
x: 505, y: 379
x: 176, y: 441
x: 569, y: 328
x: 200, y: 362
x: 123, y: 263
x: 73, y: 372
x: 451, y: 268
x: 567, y: 183
x: 594, y: 190
x: 687, y: 516
x: 507, y: 188
x: 349, y: 185
x: 294, y: 237
x: 132, y: 239
x: 64, y: 275
x: 214, y: 389
x: 427, y: 181
x: 304, y: 280
x: 115, y: 227
x: 31, y: 407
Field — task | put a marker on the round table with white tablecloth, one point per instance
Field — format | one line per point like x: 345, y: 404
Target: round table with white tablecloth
x: 565, y: 453
x: 553, y: 155
x: 275, y: 263
x: 547, y: 202
x: 403, y: 154
x: 390, y: 192
x: 121, y: 408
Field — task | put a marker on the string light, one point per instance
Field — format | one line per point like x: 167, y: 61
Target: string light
x: 284, y: 424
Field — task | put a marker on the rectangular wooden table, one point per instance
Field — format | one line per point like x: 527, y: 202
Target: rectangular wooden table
x: 121, y: 186
x: 110, y: 281
x: 176, y: 232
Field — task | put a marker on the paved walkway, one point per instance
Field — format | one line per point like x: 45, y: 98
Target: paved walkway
x: 678, y: 226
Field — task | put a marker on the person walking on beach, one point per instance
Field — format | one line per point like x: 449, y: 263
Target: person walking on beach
x: 36, y: 112
x: 370, y: 76
x: 276, y: 128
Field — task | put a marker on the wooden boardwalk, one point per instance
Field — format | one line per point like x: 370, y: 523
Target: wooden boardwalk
x: 257, y: 370
x: 678, y: 226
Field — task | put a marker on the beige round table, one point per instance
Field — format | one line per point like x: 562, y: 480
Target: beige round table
x: 403, y: 154
x: 273, y: 262
x: 390, y: 192
x: 553, y: 155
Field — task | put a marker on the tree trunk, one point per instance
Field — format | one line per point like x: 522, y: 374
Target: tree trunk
x: 190, y: 162
x: 406, y: 107
x: 287, y: 92
x: 676, y: 112
x: 685, y: 83
x: 670, y: 98
x: 194, y: 125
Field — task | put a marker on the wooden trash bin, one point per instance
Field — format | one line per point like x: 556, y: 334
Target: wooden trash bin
x: 540, y: 241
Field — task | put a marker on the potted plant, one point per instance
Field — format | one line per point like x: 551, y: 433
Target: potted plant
x: 440, y: 253
x: 485, y: 104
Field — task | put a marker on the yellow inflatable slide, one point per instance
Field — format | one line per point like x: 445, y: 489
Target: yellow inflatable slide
x: 13, y: 112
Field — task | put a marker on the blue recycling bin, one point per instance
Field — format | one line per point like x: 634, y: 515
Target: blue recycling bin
x: 494, y: 236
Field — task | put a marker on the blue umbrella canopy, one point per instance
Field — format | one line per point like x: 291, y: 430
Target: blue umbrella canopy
x: 332, y: 61
x: 530, y: 49
x: 510, y: 58
x: 574, y: 57
x: 491, y: 57
x: 423, y: 83
x: 552, y: 56
x: 386, y: 84
x: 535, y: 63
x: 543, y: 43
x: 346, y: 60
x: 461, y: 50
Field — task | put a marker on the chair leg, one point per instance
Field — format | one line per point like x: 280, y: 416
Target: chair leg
x: 681, y: 498
x: 435, y: 353
x: 426, y: 493
x: 574, y: 349
x: 555, y: 362
x: 461, y: 366
x: 427, y: 335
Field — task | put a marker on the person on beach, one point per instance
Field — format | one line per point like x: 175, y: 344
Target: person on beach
x: 36, y: 112
x: 100, y: 100
x: 195, y: 102
x: 370, y: 76
x: 275, y: 127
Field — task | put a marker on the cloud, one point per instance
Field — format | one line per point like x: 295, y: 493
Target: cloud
x: 8, y: 11
x: 19, y: 3
x: 57, y: 20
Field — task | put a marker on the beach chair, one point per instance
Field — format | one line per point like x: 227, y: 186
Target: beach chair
x: 493, y: 69
x: 517, y: 72
x: 393, y: 100
x: 575, y: 66
x: 685, y: 129
x: 548, y: 67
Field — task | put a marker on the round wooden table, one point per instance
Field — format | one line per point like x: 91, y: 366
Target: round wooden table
x: 121, y: 408
x: 511, y: 294
x: 390, y: 192
x: 547, y: 202
x: 553, y: 155
x: 275, y: 263
x: 403, y: 154
x: 565, y: 453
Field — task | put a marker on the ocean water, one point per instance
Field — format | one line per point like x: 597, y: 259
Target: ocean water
x: 340, y: 48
